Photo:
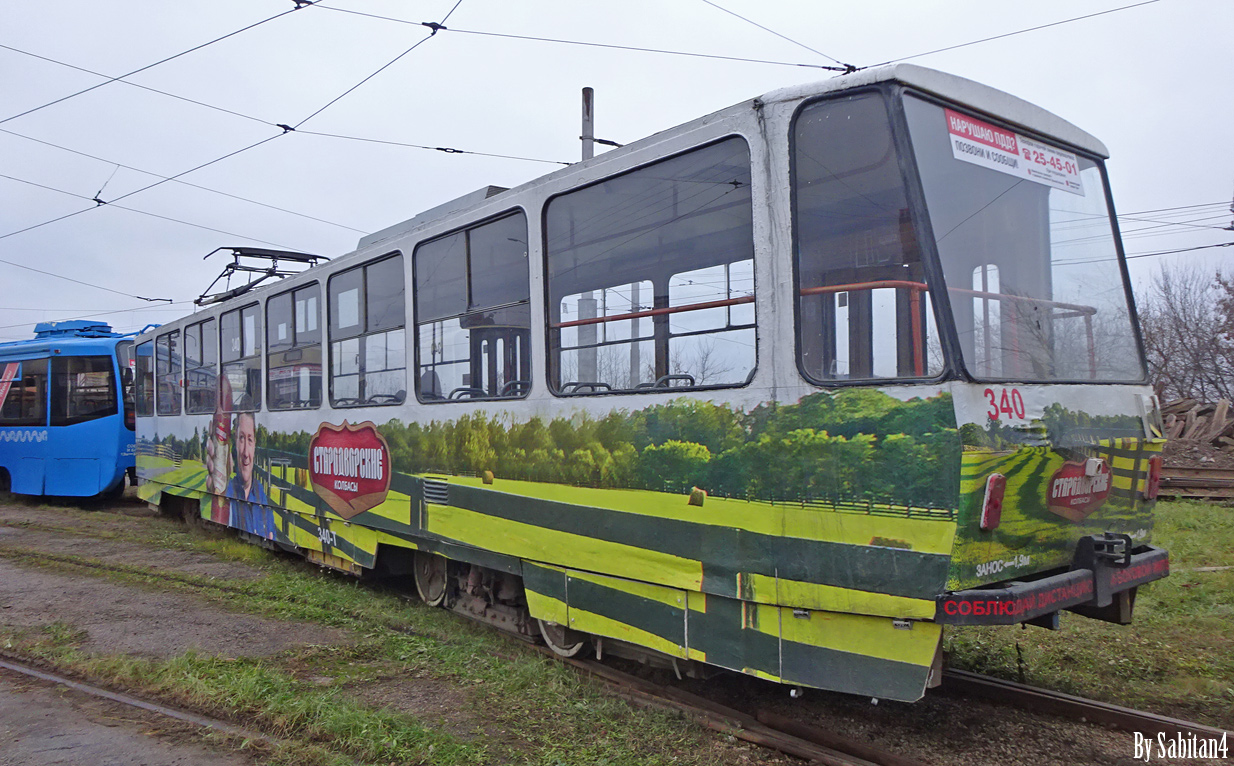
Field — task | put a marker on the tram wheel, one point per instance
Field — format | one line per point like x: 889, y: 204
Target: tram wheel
x: 430, y: 574
x: 562, y: 640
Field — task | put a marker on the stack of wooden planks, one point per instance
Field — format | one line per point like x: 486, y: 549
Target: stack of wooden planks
x: 1191, y: 420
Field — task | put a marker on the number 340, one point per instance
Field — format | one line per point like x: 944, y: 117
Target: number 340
x: 1006, y: 403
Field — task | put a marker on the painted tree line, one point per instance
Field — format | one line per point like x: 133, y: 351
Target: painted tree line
x: 852, y: 445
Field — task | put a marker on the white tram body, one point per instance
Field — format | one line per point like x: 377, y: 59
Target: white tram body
x: 784, y: 389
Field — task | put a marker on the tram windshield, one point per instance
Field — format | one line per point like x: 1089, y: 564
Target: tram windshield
x: 1028, y: 252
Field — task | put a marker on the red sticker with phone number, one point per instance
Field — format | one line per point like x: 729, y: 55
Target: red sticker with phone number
x: 980, y: 143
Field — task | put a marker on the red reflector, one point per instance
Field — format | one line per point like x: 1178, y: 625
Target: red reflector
x: 1152, y: 482
x: 992, y: 509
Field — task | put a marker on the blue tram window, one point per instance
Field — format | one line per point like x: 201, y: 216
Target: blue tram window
x: 26, y: 401
x: 82, y: 388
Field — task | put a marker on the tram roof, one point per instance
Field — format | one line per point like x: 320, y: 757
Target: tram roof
x: 960, y: 90
x: 953, y: 88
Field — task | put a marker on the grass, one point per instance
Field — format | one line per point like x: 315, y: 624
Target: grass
x: 1176, y: 658
x: 511, y: 705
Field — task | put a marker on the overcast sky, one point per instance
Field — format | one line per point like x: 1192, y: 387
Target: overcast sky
x: 1153, y: 82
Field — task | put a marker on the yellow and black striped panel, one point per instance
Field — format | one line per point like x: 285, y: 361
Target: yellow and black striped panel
x: 1128, y: 460
x: 830, y: 650
x: 702, y: 550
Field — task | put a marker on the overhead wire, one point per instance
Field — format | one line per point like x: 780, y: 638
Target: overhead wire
x: 432, y: 26
x: 242, y: 115
x: 179, y: 181
x: 145, y: 212
x: 717, y: 6
x: 1018, y: 32
x: 444, y: 149
x: 380, y: 69
x: 160, y: 307
x: 611, y: 46
x: 299, y: 4
x: 100, y: 203
x: 169, y: 94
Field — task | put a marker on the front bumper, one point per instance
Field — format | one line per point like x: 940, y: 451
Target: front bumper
x: 1093, y: 583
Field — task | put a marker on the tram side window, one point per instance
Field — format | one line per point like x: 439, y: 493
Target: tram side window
x: 293, y: 349
x: 82, y: 388
x: 143, y: 379
x: 167, y: 373
x: 25, y: 403
x: 651, y: 276
x: 201, y: 360
x: 368, y: 343
x: 240, y: 347
x: 864, y: 308
x: 473, y: 320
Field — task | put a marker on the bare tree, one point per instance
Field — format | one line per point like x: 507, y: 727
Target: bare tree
x: 1186, y: 319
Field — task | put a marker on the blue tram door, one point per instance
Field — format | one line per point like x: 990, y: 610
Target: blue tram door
x: 24, y: 435
x: 83, y: 455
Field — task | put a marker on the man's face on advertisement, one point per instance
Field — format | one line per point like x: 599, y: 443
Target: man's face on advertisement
x: 246, y: 447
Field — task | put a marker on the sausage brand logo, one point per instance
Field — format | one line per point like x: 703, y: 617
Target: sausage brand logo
x: 1074, y: 495
x: 349, y: 467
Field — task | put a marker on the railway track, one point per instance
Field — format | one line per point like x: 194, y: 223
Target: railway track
x: 1072, y: 707
x: 1210, y: 483
x: 11, y: 665
x: 795, y: 738
x: 820, y: 746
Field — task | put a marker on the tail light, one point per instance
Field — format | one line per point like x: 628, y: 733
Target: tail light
x: 992, y: 509
x: 1152, y: 482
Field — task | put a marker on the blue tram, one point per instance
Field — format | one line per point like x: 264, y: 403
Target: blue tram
x: 67, y: 411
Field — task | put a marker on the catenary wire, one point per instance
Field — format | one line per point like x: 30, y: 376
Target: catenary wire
x: 584, y: 43
x: 160, y: 307
x: 145, y: 212
x: 1018, y: 32
x: 799, y: 44
x: 80, y: 282
x: 381, y: 69
x: 432, y: 34
x: 143, y: 87
x: 445, y: 149
x: 159, y: 62
x: 263, y: 121
x: 177, y: 180
x: 100, y: 203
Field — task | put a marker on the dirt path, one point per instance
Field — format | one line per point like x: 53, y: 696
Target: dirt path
x: 123, y: 619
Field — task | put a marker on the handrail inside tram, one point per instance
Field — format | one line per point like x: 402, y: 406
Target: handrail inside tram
x: 655, y: 312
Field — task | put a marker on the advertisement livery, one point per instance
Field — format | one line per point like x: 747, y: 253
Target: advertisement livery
x: 785, y: 390
x: 880, y: 501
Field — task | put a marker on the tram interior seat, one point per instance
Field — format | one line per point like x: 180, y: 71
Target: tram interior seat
x: 584, y: 386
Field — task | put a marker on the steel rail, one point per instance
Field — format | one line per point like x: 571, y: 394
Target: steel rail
x: 1070, y: 706
x: 767, y: 730
x: 1213, y: 483
x: 7, y: 663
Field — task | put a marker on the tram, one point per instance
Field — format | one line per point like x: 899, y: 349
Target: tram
x: 67, y: 424
x: 785, y: 390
